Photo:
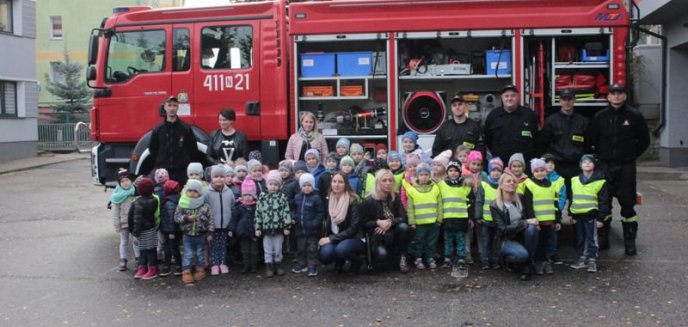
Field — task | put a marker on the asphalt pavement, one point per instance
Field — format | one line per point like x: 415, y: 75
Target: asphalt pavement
x: 59, y: 254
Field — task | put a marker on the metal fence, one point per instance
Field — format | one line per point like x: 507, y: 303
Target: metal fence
x: 64, y: 137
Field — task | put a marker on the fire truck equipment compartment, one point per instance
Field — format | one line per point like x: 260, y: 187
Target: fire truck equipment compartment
x: 318, y: 91
x: 317, y: 64
x: 351, y: 90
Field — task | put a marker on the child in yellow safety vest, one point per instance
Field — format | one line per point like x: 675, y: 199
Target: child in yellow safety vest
x: 487, y: 192
x: 457, y: 213
x: 397, y: 168
x: 424, y: 210
x: 540, y: 202
x: 517, y: 167
x: 590, y: 205
x: 560, y: 187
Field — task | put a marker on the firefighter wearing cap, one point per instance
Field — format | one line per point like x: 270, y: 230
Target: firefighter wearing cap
x: 619, y: 135
x: 459, y: 130
x: 563, y: 136
x: 172, y: 143
x: 511, y: 128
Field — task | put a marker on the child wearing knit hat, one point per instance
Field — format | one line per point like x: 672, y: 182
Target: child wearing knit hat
x: 120, y: 202
x: 273, y: 220
x: 409, y: 144
x: 540, y: 202
x: 143, y: 224
x: 342, y: 147
x: 313, y: 164
x: 255, y: 171
x: 439, y: 166
x: 397, y: 168
x: 194, y: 216
x: 424, y: 210
x: 517, y: 167
x: 221, y: 201
x: 474, y: 176
x: 242, y: 225
x: 381, y: 151
x: 171, y: 234
x: 457, y: 214
x: 487, y: 192
x: 309, y: 215
x: 347, y: 165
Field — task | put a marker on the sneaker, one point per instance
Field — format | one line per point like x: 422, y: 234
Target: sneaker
x: 419, y: 264
x: 580, y: 264
x: 122, y: 264
x: 432, y: 264
x: 486, y: 265
x: 312, y: 271
x: 403, y: 265
x: 548, y: 268
x: 298, y: 268
x: 186, y: 277
x: 592, y: 266
x: 224, y: 269
x: 214, y: 270
x: 140, y: 271
x: 165, y: 271
x: 555, y: 260
x: 446, y: 263
x: 178, y: 271
x: 540, y: 268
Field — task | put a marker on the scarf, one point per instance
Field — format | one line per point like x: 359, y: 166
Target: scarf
x: 185, y: 202
x: 338, y: 206
x: 306, y: 137
x: 122, y: 194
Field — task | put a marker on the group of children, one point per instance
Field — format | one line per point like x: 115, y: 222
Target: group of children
x: 248, y: 201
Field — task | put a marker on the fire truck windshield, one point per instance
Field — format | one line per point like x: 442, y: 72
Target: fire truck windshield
x: 132, y: 53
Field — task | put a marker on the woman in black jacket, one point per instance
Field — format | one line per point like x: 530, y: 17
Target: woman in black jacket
x: 227, y: 144
x: 343, y: 241
x: 515, y: 236
x: 384, y: 220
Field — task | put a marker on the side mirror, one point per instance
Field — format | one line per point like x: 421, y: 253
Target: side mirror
x: 92, y: 49
x: 91, y: 73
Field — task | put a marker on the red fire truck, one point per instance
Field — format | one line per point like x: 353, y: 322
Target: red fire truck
x: 369, y: 69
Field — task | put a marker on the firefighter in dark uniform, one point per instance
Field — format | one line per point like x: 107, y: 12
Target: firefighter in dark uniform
x: 619, y: 135
x: 563, y: 136
x: 173, y: 144
x: 459, y: 130
x: 511, y: 128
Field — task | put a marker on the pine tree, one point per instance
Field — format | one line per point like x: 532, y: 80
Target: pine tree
x: 71, y: 88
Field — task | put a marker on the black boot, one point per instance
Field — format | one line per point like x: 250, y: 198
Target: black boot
x: 247, y: 267
x: 630, y: 230
x: 527, y: 272
x: 269, y: 270
x: 278, y: 269
x: 603, y: 235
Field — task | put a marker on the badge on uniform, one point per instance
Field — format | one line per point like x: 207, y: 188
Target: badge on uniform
x: 577, y: 138
x: 469, y: 145
x: 526, y: 134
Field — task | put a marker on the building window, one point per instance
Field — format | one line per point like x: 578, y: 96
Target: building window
x: 56, y: 27
x: 6, y: 16
x: 56, y: 75
x: 8, y: 98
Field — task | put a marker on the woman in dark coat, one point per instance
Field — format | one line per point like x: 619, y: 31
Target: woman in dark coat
x: 384, y: 220
x: 343, y: 241
x: 227, y: 144
x: 515, y: 236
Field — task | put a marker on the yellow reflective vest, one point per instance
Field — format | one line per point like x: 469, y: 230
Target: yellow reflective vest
x: 369, y: 185
x: 397, y: 181
x: 426, y: 205
x: 543, y: 200
x: 584, y: 195
x: 454, y: 201
x: 490, y: 194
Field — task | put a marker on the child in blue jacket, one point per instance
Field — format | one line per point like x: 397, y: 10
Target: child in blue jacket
x: 309, y: 217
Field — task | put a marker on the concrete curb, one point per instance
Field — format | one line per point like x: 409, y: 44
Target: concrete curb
x: 39, y: 161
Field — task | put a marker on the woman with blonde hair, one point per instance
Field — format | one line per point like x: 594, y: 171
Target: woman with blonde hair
x: 307, y: 137
x: 384, y: 220
x: 515, y: 236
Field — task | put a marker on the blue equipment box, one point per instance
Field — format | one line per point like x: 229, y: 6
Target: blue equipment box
x: 603, y: 56
x: 317, y: 64
x: 504, y: 66
x: 355, y: 63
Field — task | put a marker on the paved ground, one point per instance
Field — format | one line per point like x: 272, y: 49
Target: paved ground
x: 59, y: 259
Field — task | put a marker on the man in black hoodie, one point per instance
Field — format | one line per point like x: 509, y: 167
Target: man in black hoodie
x: 618, y: 135
x: 173, y: 144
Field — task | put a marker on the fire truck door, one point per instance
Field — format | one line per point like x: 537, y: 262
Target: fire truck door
x: 227, y: 75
